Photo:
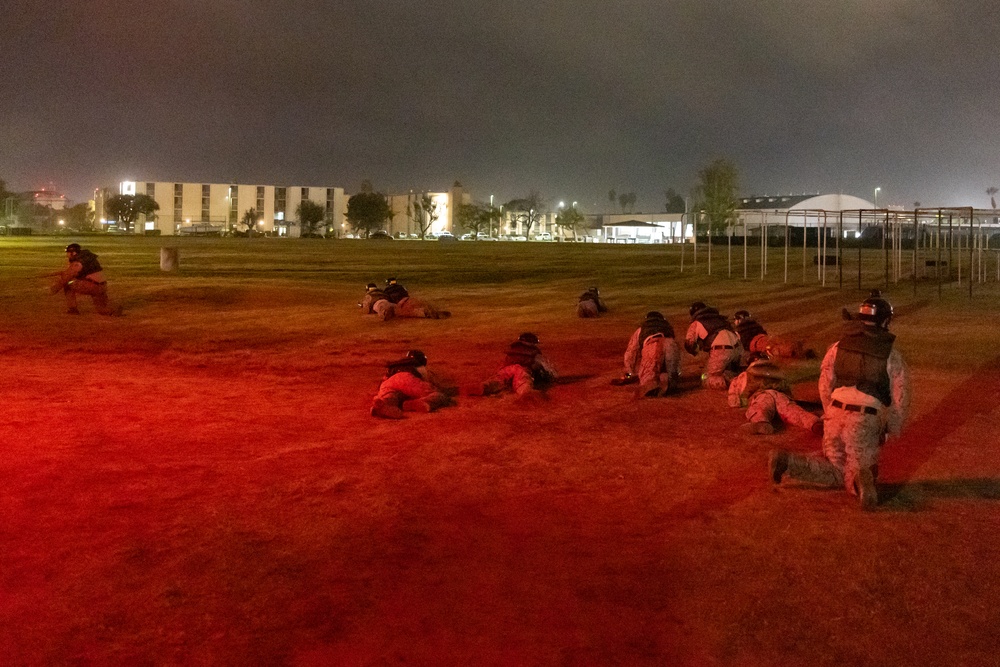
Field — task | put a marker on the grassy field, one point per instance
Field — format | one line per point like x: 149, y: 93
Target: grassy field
x: 199, y: 481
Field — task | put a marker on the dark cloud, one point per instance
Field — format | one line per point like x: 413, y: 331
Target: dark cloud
x: 571, y: 99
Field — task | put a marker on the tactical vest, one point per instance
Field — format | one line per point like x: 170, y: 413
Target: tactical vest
x: 653, y: 326
x: 521, y: 354
x: 748, y: 329
x: 589, y: 296
x: 713, y: 323
x: 396, y: 293
x: 862, y: 354
x: 407, y: 366
x: 89, y: 262
x: 377, y: 295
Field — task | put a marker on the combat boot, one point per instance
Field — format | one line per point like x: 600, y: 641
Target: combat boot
x: 386, y: 410
x: 648, y: 390
x: 665, y: 383
x: 757, y: 428
x: 867, y: 493
x: 777, y: 463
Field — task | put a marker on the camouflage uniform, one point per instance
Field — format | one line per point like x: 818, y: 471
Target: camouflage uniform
x: 82, y: 275
x: 405, y: 388
x: 590, y: 304
x: 524, y: 368
x: 858, y: 417
x: 711, y: 331
x: 765, y: 395
x: 755, y: 339
x: 375, y: 302
x: 653, y: 356
x: 406, y: 305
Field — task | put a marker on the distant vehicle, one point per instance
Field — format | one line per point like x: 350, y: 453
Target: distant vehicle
x: 486, y: 237
x: 201, y: 229
x: 518, y: 238
x: 447, y: 237
x: 544, y: 236
x: 467, y: 237
x: 380, y: 235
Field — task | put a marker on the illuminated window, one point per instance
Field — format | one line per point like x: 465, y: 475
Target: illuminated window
x: 206, y: 202
x: 279, y: 203
x: 178, y: 202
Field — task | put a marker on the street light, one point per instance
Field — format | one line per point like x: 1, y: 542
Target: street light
x: 876, y: 196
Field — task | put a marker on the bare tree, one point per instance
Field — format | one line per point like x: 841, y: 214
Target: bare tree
x: 249, y: 220
x: 527, y: 211
x: 424, y: 212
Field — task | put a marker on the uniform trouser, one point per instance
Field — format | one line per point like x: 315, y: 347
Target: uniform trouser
x: 660, y: 357
x: 98, y: 292
x: 719, y: 369
x: 385, y: 309
x: 404, y: 387
x: 587, y: 308
x: 851, y: 441
x: 776, y: 347
x: 515, y: 377
x: 767, y: 404
x: 410, y: 307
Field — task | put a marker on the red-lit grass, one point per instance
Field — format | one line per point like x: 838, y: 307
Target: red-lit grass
x: 199, y: 482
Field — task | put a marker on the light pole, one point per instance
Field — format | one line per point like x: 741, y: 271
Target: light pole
x: 876, y: 197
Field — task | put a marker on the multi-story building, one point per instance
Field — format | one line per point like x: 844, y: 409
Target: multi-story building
x: 215, y: 206
x: 406, y: 221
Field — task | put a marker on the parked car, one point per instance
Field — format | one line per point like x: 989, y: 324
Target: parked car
x: 447, y: 237
x: 544, y: 236
x: 380, y: 235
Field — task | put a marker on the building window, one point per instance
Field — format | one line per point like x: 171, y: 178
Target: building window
x: 305, y: 194
x: 260, y: 200
x: 151, y: 190
x: 279, y: 203
x: 234, y: 202
x: 206, y: 203
x: 178, y: 202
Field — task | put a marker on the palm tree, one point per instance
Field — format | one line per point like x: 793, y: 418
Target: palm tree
x: 992, y: 191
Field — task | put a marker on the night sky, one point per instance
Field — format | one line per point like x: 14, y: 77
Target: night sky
x: 569, y: 98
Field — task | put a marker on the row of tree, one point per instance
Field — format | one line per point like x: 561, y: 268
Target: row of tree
x: 368, y: 210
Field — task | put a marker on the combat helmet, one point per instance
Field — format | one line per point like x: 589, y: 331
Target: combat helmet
x: 529, y: 338
x: 414, y: 359
x: 371, y: 286
x: 417, y: 357
x: 695, y: 307
x: 741, y: 315
x: 875, y: 310
x: 73, y: 247
x: 654, y: 315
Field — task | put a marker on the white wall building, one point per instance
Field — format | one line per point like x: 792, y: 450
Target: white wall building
x: 222, y: 206
x: 405, y: 223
